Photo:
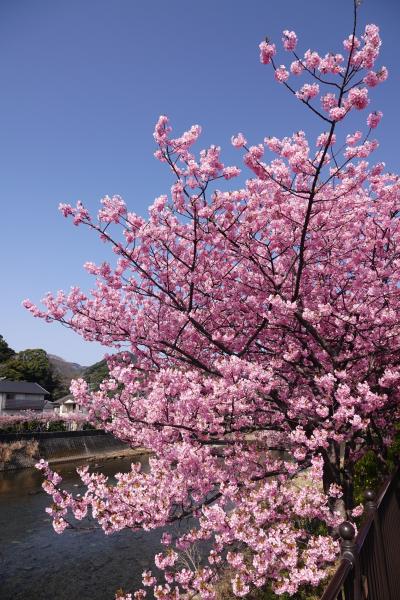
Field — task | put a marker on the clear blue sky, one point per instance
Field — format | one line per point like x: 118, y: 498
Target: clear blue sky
x: 82, y: 84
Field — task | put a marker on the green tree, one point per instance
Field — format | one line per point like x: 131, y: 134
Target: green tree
x: 95, y: 374
x: 5, y: 351
x: 32, y: 365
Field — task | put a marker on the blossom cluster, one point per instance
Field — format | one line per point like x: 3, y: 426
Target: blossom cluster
x: 262, y: 534
x: 353, y: 94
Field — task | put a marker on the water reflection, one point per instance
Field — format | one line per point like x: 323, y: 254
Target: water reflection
x: 38, y: 564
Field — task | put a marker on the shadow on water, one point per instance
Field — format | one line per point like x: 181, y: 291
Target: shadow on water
x: 38, y: 564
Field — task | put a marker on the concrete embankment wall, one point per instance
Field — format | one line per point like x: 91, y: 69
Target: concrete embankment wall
x: 60, y: 446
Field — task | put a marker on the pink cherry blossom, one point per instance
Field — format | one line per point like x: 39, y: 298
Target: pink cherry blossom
x: 254, y: 342
x: 357, y: 511
x: 65, y: 209
x: 238, y: 141
x: 331, y: 63
x: 239, y: 587
x: 351, y: 43
x: 230, y: 172
x: 352, y: 139
x: 113, y: 209
x: 312, y: 59
x: 267, y: 51
x: 329, y: 101
x: 382, y: 74
x: 337, y: 114
x: 371, y: 79
x: 296, y: 68
x: 281, y: 74
x: 308, y: 91
x: 358, y: 98
x: 374, y: 118
x: 325, y: 139
x: 289, y: 40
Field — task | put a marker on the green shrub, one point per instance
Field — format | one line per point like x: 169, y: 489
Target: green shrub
x: 370, y: 472
x: 56, y: 426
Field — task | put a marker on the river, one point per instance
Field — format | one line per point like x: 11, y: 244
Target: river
x: 38, y: 564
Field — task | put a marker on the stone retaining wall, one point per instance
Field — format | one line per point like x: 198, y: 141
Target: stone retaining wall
x: 60, y: 446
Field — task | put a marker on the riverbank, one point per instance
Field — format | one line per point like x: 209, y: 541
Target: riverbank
x: 23, y: 450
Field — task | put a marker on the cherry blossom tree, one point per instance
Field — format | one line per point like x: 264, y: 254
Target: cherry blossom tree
x: 264, y: 321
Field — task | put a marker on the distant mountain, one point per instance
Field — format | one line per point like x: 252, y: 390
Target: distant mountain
x: 57, y: 359
x: 66, y: 370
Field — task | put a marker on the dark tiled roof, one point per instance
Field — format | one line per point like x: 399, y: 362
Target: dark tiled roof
x: 50, y: 405
x: 21, y: 387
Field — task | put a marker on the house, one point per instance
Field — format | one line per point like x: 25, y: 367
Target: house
x: 16, y: 396
x: 67, y: 406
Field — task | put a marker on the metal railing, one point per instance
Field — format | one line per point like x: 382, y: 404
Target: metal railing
x: 370, y: 564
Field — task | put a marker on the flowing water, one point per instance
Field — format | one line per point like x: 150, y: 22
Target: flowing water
x: 38, y: 564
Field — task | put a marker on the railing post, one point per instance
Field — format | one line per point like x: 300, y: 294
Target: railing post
x: 371, y: 508
x: 347, y: 544
x: 352, y: 584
